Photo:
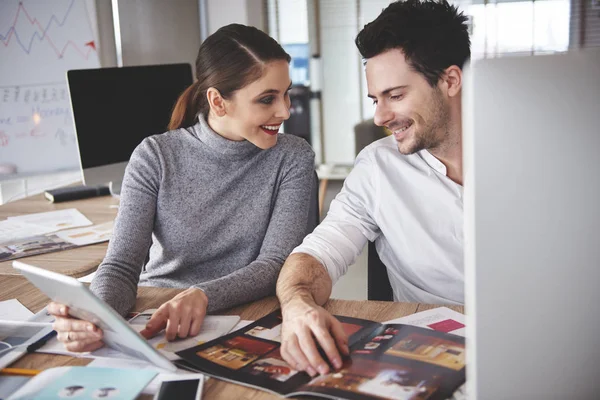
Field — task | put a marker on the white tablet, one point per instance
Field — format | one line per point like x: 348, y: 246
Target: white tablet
x: 85, y: 305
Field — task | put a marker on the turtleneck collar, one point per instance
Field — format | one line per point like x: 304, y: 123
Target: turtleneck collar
x: 219, y: 144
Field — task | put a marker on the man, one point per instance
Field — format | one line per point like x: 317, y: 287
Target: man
x: 405, y: 191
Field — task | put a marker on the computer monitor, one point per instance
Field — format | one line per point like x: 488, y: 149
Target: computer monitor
x: 114, y: 109
x: 532, y: 231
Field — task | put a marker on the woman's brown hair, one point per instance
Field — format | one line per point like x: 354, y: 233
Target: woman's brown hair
x: 228, y: 60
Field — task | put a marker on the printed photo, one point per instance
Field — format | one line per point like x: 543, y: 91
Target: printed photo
x: 391, y: 331
x: 447, y: 325
x: 362, y: 352
x: 273, y: 334
x: 398, y: 384
x: 236, y: 352
x: 379, y: 380
x: 382, y: 338
x: 430, y: 349
x: 351, y: 328
x: 272, y: 367
x: 371, y: 346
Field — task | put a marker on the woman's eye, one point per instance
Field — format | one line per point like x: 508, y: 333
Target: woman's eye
x: 267, y: 100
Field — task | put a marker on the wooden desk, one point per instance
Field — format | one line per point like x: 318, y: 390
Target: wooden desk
x: 18, y: 287
x: 75, y: 262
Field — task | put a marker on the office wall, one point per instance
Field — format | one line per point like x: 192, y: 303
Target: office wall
x: 341, y: 69
x: 159, y: 32
x: 225, y: 12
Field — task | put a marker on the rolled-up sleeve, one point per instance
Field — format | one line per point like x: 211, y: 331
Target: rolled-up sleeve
x: 340, y: 238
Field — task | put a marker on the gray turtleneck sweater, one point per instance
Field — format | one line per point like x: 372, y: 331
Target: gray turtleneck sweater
x: 198, y: 210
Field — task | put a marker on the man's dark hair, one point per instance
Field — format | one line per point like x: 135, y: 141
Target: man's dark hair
x: 432, y: 35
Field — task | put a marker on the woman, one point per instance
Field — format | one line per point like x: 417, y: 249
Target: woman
x: 216, y: 204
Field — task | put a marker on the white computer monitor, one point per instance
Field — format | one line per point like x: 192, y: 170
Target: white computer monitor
x: 114, y: 109
x: 532, y: 234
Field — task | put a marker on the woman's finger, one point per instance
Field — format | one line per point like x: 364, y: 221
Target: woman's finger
x: 185, y: 321
x: 172, y: 323
x: 70, y: 324
x: 58, y: 309
x: 198, y: 319
x: 157, y: 323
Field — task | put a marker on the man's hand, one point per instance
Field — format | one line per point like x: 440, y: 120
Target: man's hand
x: 76, y: 334
x: 304, y: 321
x: 181, y: 316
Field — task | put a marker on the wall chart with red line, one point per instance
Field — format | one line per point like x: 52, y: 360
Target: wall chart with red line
x: 40, y: 41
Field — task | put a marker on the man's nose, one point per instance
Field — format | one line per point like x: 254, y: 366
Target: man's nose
x: 382, y: 115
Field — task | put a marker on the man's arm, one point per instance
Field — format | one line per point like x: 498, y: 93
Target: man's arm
x: 307, y: 276
x: 302, y: 288
x: 302, y: 276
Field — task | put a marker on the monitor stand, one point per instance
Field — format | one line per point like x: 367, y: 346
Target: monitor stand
x: 115, y: 188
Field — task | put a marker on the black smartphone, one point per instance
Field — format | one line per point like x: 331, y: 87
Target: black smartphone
x: 187, y: 389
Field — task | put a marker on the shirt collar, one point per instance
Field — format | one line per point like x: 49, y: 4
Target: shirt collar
x: 433, y: 162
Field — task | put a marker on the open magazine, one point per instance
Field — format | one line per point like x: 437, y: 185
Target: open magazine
x: 390, y: 361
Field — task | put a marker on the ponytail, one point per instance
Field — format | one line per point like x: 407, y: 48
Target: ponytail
x: 186, y: 109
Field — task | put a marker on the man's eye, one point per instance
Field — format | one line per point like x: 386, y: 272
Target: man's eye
x: 374, y: 102
x: 266, y: 100
x: 396, y: 97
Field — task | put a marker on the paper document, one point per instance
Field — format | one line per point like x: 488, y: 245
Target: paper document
x: 12, y: 230
x: 242, y: 324
x: 13, y: 310
x: 440, y: 319
x: 55, y: 220
x: 15, y: 346
x: 212, y: 327
x: 23, y: 329
x: 92, y: 234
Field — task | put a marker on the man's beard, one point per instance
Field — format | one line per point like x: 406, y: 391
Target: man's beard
x: 434, y: 133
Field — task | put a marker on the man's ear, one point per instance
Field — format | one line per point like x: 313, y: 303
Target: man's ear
x: 216, y: 102
x: 452, y: 80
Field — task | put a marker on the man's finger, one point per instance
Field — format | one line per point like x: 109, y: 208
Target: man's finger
x: 309, y: 348
x: 340, y: 336
x: 327, y: 343
x: 295, y: 357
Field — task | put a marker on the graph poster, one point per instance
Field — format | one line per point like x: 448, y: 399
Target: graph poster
x: 39, y: 41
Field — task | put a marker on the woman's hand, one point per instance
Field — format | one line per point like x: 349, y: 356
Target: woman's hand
x: 182, y: 316
x: 76, y: 334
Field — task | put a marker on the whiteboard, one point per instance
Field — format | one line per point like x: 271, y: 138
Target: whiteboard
x: 39, y: 41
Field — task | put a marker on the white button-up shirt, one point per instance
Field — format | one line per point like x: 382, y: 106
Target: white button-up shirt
x: 413, y: 212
